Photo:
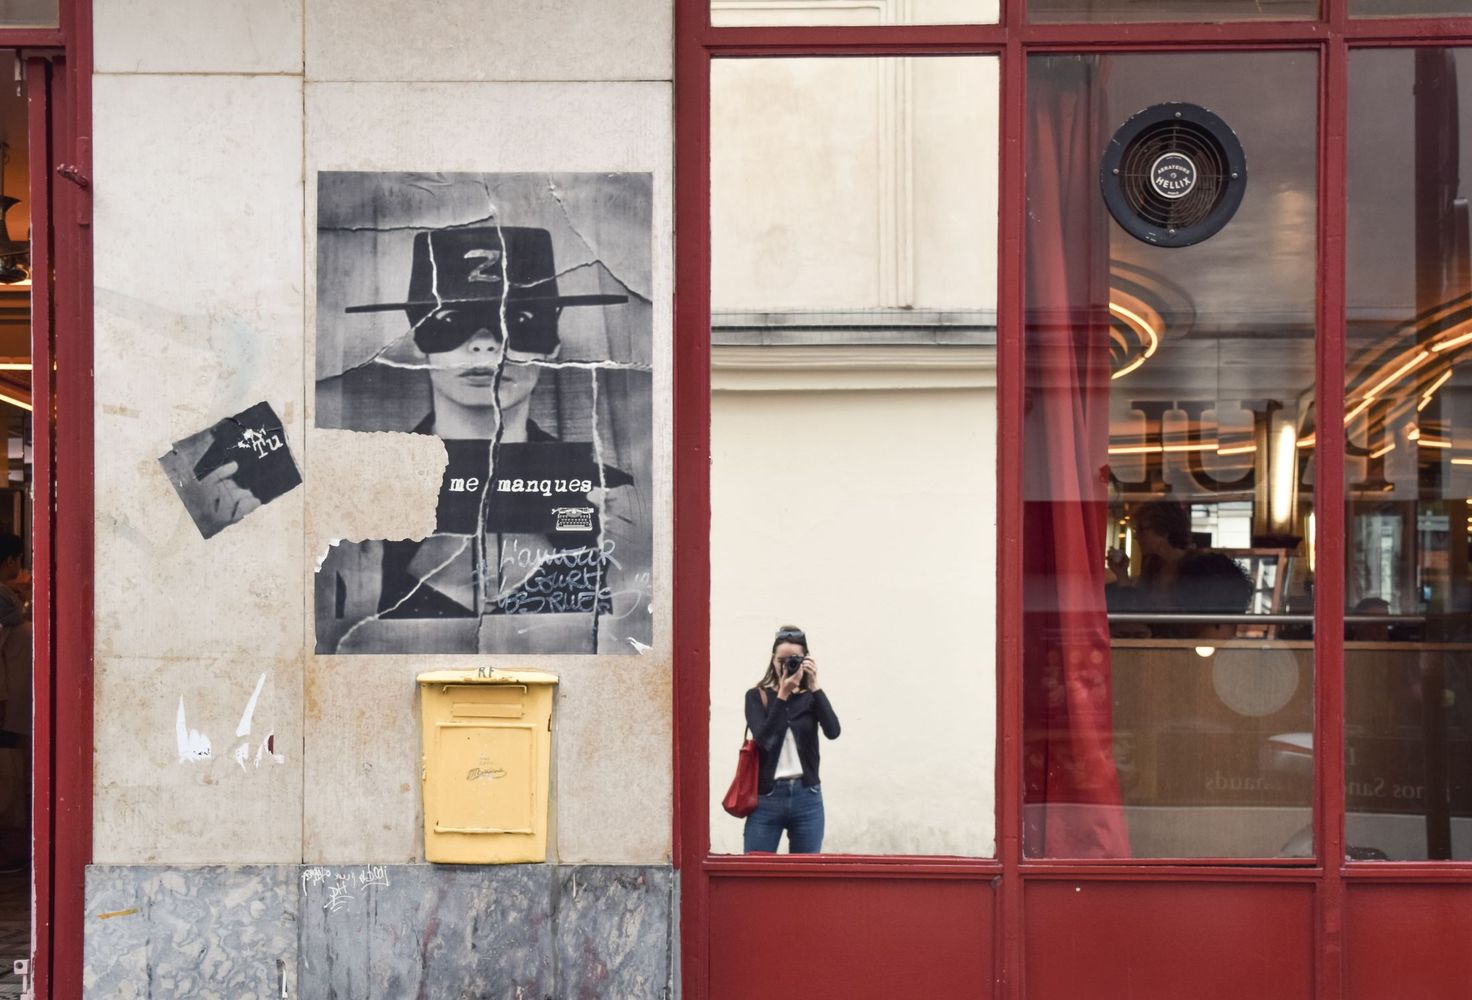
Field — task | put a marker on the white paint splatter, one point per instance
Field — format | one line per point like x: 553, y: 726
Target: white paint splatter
x: 639, y: 647
x: 193, y: 745
x: 243, y: 728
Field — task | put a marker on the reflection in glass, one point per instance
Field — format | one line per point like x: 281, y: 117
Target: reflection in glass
x: 752, y: 13
x: 1170, y: 10
x: 1168, y: 445
x: 853, y: 427
x: 28, y: 13
x: 1408, y: 8
x: 1408, y: 655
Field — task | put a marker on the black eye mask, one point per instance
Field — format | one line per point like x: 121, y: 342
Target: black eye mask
x: 532, y: 329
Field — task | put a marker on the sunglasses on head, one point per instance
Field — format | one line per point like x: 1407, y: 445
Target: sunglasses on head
x: 792, y: 635
x: 530, y: 329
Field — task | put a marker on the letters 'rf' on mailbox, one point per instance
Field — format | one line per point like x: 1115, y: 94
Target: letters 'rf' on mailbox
x: 486, y: 765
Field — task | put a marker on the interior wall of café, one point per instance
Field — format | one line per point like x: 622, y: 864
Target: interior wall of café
x: 212, y: 122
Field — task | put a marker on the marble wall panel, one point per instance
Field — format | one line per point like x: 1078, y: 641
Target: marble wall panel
x: 489, y: 40
x: 387, y: 932
x: 380, y: 932
x: 207, y: 933
x: 198, y: 36
x: 615, y: 932
x: 198, y: 316
x: 159, y: 795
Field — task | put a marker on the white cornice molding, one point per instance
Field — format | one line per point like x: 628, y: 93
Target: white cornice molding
x: 849, y: 367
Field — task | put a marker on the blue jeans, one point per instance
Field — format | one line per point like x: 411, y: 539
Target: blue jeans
x: 791, y: 807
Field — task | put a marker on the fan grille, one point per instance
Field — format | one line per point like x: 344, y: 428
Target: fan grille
x: 1173, y: 175
x: 1138, y: 181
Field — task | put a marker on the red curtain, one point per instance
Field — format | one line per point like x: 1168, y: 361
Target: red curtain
x: 1071, y: 785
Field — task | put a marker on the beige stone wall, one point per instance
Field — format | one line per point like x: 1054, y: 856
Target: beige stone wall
x: 212, y: 120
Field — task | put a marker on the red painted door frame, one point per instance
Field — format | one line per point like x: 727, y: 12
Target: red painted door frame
x: 58, y: 70
x: 1331, y: 37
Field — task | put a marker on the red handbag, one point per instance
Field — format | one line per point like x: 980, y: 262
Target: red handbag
x: 740, y: 800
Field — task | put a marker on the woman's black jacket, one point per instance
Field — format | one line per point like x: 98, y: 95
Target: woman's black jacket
x: 803, y: 713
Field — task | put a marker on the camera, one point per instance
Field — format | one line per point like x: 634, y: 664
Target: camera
x: 792, y: 664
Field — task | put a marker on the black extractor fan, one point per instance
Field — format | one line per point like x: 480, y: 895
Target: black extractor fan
x: 1173, y: 175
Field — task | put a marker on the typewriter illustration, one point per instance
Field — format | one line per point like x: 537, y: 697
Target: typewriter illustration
x: 573, y: 518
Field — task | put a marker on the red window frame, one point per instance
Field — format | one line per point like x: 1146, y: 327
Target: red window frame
x: 1332, y: 36
x: 58, y: 66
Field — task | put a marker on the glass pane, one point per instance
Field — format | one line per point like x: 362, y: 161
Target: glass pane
x: 1408, y: 649
x: 749, y: 13
x: 853, y: 426
x: 1170, y: 10
x: 1408, y: 8
x: 1168, y: 456
x: 28, y: 13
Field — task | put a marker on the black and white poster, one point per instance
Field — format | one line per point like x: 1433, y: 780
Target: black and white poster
x: 230, y: 468
x: 509, y: 315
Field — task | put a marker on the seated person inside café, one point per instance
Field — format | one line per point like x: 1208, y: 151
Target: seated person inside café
x: 1176, y: 577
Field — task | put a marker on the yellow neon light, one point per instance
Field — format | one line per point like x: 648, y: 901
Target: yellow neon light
x: 1142, y: 326
x: 1358, y: 409
x: 1394, y: 376
x: 1446, y: 345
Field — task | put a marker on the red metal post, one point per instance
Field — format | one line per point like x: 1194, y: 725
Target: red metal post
x: 1011, y: 299
x: 1329, y: 510
x: 73, y: 535
x: 691, y: 626
x: 38, y: 87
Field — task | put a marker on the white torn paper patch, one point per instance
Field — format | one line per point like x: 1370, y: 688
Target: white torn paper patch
x: 347, y: 499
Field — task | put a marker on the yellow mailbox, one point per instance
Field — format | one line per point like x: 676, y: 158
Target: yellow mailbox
x: 486, y: 765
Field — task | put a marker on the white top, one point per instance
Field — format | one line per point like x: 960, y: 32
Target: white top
x: 788, y: 764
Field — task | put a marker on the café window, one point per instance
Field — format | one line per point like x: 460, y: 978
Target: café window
x: 1408, y: 460
x: 1168, y: 456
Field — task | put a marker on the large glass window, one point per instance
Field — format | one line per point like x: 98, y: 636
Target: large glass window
x: 747, y: 13
x: 28, y: 13
x: 1408, y: 8
x: 1170, y: 10
x: 1168, y: 455
x: 1408, y: 523
x: 853, y: 429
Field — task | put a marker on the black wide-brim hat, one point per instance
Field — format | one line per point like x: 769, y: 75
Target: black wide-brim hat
x: 474, y: 266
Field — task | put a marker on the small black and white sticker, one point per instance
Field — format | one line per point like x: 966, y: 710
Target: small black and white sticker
x: 228, y: 470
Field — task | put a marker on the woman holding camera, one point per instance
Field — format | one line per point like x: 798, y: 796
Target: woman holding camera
x: 785, y: 711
